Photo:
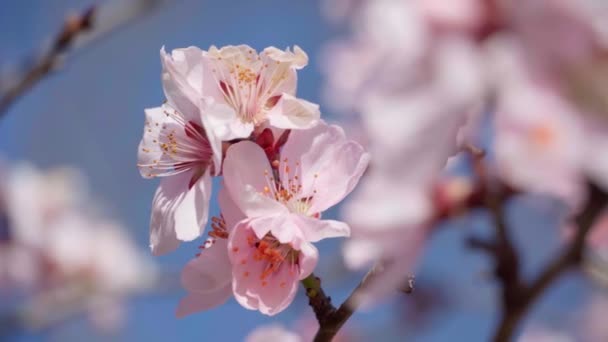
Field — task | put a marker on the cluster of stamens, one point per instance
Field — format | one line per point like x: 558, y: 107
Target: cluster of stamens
x: 289, y: 193
x: 246, y: 88
x: 274, y: 254
x: 178, y: 154
x: 218, y: 231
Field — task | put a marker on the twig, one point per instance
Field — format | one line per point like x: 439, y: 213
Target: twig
x: 94, y: 23
x: 330, y: 318
x: 72, y: 27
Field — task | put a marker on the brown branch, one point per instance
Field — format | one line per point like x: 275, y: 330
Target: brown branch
x: 72, y: 27
x: 513, y: 311
x: 94, y: 22
x: 330, y: 318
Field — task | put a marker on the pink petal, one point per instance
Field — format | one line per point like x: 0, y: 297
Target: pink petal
x: 309, y: 257
x: 331, y: 165
x: 315, y: 230
x: 178, y: 213
x: 210, y: 271
x: 193, y: 303
x: 311, y: 142
x: 293, y: 113
x: 246, y: 173
x: 181, y: 74
x: 148, y: 152
x: 274, y: 298
x: 214, y: 141
x: 207, y: 278
x: 231, y: 213
x: 269, y: 295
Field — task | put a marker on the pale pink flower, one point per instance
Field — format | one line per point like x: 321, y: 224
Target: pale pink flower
x: 317, y: 169
x: 67, y: 257
x: 243, y: 89
x: 539, y: 136
x: 269, y: 256
x: 273, y: 332
x: 208, y: 277
x: 272, y: 250
x: 176, y: 147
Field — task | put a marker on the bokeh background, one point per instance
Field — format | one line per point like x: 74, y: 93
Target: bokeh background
x: 90, y: 115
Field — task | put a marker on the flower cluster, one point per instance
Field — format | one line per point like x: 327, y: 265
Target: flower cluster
x: 58, y: 251
x: 233, y: 112
x: 427, y: 79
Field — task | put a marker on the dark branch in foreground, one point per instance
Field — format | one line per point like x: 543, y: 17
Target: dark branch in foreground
x: 330, y: 318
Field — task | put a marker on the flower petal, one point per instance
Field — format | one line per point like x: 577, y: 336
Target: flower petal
x: 210, y: 271
x: 182, y: 79
x: 315, y: 230
x: 193, y: 303
x: 230, y: 211
x: 331, y: 165
x: 148, y: 152
x: 246, y: 173
x: 179, y: 212
x: 293, y: 113
x: 309, y: 257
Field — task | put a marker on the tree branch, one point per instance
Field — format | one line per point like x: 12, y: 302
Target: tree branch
x: 94, y: 22
x: 570, y: 257
x: 331, y: 319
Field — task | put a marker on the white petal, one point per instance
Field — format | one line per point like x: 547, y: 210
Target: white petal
x: 293, y: 113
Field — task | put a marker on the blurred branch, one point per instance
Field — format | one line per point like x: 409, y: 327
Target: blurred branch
x: 518, y: 297
x: 571, y: 256
x: 330, y: 318
x: 78, y: 30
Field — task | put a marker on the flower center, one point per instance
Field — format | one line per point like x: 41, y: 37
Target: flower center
x: 289, y: 193
x: 274, y: 254
x: 248, y: 84
x: 183, y: 145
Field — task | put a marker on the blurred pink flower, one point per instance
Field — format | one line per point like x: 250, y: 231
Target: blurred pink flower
x: 272, y: 333
x: 242, y: 89
x: 539, y: 334
x: 593, y: 318
x: 61, y: 253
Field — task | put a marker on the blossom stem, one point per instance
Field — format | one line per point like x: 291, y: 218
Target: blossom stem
x: 330, y: 318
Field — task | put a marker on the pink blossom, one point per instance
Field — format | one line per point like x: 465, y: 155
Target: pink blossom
x: 272, y: 333
x: 67, y: 257
x: 539, y: 140
x: 208, y: 277
x: 269, y: 256
x: 271, y: 250
x: 242, y: 89
x: 178, y: 146
x: 318, y: 168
